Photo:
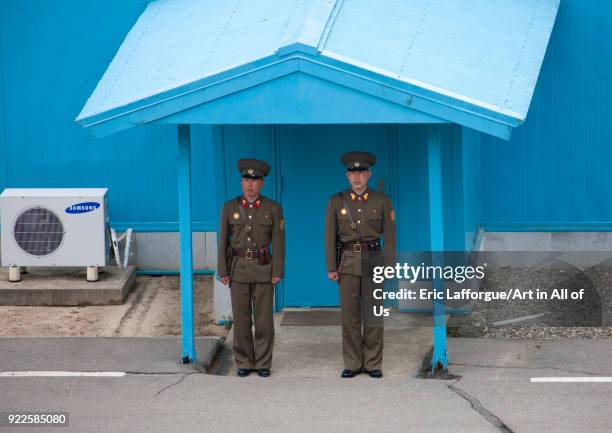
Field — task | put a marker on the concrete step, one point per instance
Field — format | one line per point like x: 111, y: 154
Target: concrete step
x: 67, y: 286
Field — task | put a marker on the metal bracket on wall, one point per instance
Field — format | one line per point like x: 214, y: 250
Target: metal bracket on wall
x: 127, y: 236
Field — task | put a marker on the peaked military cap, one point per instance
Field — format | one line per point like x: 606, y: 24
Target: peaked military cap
x: 358, y: 161
x: 253, y: 168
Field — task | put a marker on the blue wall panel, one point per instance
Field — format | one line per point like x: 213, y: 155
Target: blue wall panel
x: 3, y: 142
x: 51, y: 57
x: 555, y: 171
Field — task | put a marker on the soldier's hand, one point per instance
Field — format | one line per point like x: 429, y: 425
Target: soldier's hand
x: 333, y: 275
x: 225, y: 280
x: 275, y: 280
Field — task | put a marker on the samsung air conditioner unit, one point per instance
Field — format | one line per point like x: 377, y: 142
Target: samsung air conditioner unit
x: 54, y: 227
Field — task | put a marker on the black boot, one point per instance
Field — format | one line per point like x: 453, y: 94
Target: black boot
x: 243, y: 372
x: 263, y: 372
x: 348, y: 373
x: 376, y: 374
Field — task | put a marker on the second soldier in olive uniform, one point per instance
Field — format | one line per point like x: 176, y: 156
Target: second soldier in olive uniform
x: 250, y: 226
x: 355, y: 222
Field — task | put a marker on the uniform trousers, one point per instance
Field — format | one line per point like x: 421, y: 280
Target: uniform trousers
x: 360, y: 349
x: 252, y: 300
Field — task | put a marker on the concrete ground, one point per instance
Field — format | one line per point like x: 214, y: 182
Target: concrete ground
x: 496, y: 376
x: 494, y: 393
x: 136, y: 355
x: 316, y: 351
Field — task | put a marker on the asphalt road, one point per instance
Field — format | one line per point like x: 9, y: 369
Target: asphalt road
x: 495, y: 393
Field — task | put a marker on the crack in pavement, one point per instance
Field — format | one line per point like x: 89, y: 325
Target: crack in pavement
x: 480, y: 409
x: 183, y: 377
x: 172, y: 384
x: 528, y: 368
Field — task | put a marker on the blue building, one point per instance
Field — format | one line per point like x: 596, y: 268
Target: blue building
x: 485, y: 116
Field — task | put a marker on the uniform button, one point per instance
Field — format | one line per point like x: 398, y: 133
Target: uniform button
x: 358, y: 210
x: 250, y: 205
x: 250, y: 216
x: 358, y: 222
x: 248, y: 239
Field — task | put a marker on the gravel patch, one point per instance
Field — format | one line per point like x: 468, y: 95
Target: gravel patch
x: 589, y: 317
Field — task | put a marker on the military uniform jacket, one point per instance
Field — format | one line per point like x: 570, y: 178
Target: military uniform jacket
x: 243, y: 226
x: 375, y: 219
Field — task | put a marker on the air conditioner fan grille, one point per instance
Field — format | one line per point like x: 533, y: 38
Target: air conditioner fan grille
x: 38, y: 231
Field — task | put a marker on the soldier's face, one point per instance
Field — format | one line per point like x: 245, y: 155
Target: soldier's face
x: 251, y: 187
x: 358, y: 179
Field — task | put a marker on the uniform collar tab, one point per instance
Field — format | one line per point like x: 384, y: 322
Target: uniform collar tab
x: 245, y: 203
x: 358, y: 197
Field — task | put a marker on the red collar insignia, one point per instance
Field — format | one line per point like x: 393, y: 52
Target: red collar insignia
x: 245, y: 203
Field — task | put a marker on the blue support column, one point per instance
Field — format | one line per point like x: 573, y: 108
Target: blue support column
x: 440, y: 359
x: 186, y: 258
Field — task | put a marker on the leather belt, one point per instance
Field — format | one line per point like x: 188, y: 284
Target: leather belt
x: 358, y: 246
x: 251, y: 254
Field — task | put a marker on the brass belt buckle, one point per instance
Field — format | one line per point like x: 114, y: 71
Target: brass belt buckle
x: 248, y: 254
x: 357, y: 247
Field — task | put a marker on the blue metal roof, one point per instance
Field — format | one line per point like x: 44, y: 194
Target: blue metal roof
x: 473, y: 62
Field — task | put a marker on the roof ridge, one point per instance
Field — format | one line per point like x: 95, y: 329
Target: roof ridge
x: 330, y: 23
x: 307, y: 25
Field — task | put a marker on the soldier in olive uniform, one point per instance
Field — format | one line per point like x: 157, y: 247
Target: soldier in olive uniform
x: 355, y: 222
x: 251, y: 254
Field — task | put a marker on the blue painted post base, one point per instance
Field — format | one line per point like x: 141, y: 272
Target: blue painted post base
x: 439, y: 370
x: 442, y: 374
